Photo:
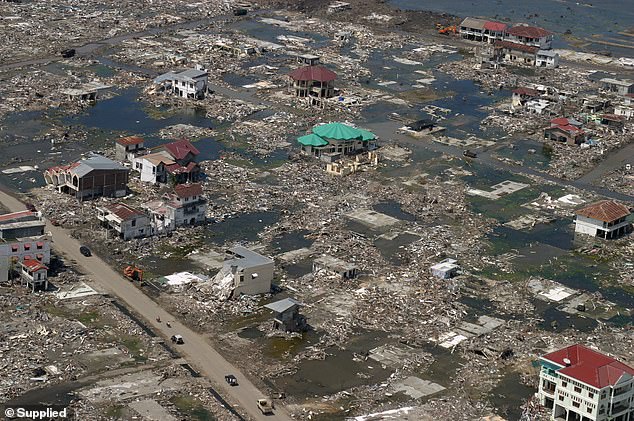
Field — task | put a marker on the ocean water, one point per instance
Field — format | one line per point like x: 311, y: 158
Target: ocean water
x: 593, y: 22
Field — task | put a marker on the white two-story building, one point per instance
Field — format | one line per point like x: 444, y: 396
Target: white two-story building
x: 581, y: 384
x: 185, y: 206
x: 125, y: 221
x: 605, y: 219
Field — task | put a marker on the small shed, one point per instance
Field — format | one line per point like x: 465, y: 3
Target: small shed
x: 286, y: 315
x: 445, y: 269
x: 332, y: 264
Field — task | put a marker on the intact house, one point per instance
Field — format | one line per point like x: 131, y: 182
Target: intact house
x: 286, y: 315
x: 515, y: 53
x: 23, y: 240
x: 547, y: 58
x: 333, y: 265
x: 245, y: 272
x: 89, y: 178
x: 565, y: 130
x: 581, y: 384
x: 529, y: 35
x: 618, y: 86
x: 314, y: 82
x: 127, y: 148
x: 174, y: 162
x: 185, y: 206
x: 126, y: 222
x: 330, y: 141
x: 191, y: 84
x: 605, y: 219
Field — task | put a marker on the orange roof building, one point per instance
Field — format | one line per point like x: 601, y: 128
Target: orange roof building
x: 605, y: 219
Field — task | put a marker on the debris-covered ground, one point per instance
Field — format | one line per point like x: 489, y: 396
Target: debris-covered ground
x: 394, y: 338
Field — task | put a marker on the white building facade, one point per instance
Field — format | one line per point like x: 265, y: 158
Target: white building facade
x: 126, y: 222
x: 547, y: 58
x: 605, y: 219
x: 580, y: 384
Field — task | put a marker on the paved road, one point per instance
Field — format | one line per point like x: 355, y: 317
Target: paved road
x: 615, y: 160
x: 198, y: 352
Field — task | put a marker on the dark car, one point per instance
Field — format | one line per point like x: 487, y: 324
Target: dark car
x: 470, y: 154
x: 68, y: 53
x: 85, y: 251
x: 231, y: 379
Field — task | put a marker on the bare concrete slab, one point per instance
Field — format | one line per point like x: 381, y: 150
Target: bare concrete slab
x: 501, y: 189
x: 417, y: 388
x: 392, y: 355
x: 150, y: 409
x: 371, y: 218
x: 130, y: 386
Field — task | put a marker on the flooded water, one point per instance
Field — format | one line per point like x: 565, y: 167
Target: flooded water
x: 393, y: 208
x: 266, y: 32
x: 291, y: 241
x: 508, y: 396
x: 391, y: 248
x: 126, y: 113
x: 245, y: 227
x: 590, y: 21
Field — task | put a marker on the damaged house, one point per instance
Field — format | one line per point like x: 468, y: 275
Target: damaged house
x: 244, y: 272
x: 336, y: 266
x: 174, y: 162
x: 92, y: 177
x: 190, y: 84
x: 24, y: 248
x: 515, y: 53
x: 185, y: 206
x: 286, y: 315
x: 127, y: 148
x: 529, y: 35
x: 315, y: 82
x: 126, y: 222
x: 565, y: 130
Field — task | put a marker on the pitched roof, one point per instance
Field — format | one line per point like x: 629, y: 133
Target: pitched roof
x: 317, y: 73
x: 495, y: 26
x: 157, y: 158
x: 312, y: 140
x: 588, y: 366
x: 473, y: 23
x: 527, y: 31
x: 568, y: 128
x: 130, y: 140
x: 188, y: 190
x: 515, y: 46
x: 123, y: 211
x: 96, y: 162
x: 605, y: 210
x: 340, y: 131
x: 181, y: 148
x: 33, y: 265
x: 283, y: 305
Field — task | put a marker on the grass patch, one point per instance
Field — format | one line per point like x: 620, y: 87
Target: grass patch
x: 192, y: 408
x: 88, y: 318
x: 134, y: 346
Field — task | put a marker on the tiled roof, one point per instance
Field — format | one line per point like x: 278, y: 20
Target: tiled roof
x: 515, y: 46
x: 188, y: 190
x: 130, y: 140
x: 495, y: 26
x: 123, y: 211
x: 527, y: 31
x: 605, y: 210
x: 181, y: 148
x: 34, y: 265
x: 317, y: 73
x: 588, y: 366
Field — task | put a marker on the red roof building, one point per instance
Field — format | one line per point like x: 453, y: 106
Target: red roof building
x: 123, y: 211
x: 313, y: 73
x: 181, y: 148
x: 513, y: 46
x: 129, y: 140
x: 532, y: 32
x: 184, y: 191
x: 605, y: 211
x: 495, y: 26
x: 588, y: 366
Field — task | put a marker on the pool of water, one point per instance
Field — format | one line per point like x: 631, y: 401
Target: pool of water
x: 509, y: 395
x: 244, y: 227
x: 292, y: 240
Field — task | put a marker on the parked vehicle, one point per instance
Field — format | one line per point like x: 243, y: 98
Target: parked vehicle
x: 85, y: 251
x: 470, y: 154
x: 177, y: 339
x: 265, y: 405
x: 133, y: 273
x: 231, y: 379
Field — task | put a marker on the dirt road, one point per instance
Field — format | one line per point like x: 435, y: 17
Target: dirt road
x: 198, y: 352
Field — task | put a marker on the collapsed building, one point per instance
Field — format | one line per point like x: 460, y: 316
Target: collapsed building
x: 243, y: 272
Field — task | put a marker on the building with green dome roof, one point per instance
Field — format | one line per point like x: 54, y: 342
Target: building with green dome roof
x: 330, y: 141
